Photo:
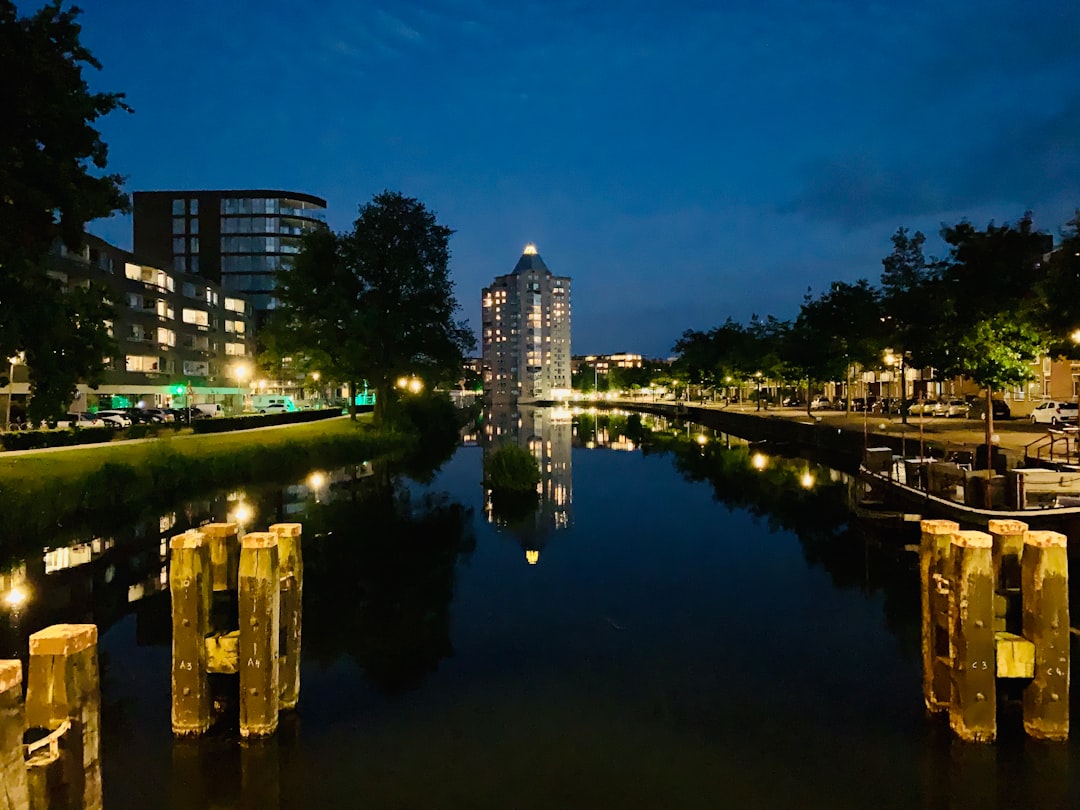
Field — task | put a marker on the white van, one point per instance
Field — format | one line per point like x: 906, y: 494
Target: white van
x: 210, y: 408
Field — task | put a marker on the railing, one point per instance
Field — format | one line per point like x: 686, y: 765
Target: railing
x: 1060, y: 445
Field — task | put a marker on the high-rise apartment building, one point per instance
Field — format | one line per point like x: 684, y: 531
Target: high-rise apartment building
x: 237, y: 239
x: 526, y: 332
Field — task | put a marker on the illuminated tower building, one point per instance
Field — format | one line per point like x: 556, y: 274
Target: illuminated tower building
x: 526, y: 332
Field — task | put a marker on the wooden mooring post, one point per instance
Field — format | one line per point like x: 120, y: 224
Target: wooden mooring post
x: 61, y: 767
x: 265, y: 649
x: 995, y: 606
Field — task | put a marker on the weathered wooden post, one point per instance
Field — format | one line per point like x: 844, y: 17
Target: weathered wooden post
x: 259, y: 599
x: 292, y: 592
x: 63, y: 687
x: 14, y: 793
x: 1008, y: 537
x: 934, y: 568
x: 973, y: 705
x: 1045, y: 587
x: 224, y: 553
x: 189, y: 584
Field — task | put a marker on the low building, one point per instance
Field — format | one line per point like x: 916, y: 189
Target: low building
x: 181, y: 339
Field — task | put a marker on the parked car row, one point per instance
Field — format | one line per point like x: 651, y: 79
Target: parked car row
x: 954, y: 407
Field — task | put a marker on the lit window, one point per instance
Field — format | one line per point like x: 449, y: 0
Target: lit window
x: 198, y: 317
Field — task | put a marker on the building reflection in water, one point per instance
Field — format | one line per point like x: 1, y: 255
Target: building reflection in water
x: 99, y: 579
x: 546, y: 433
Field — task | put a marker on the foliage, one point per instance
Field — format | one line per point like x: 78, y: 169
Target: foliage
x: 376, y: 301
x: 38, y: 439
x: 1060, y: 292
x: 998, y: 352
x: 512, y: 468
x: 49, y: 150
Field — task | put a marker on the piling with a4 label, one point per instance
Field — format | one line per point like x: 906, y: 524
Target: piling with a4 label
x: 262, y: 647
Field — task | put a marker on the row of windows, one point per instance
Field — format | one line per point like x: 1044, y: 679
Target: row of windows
x: 272, y: 225
x: 182, y: 225
x: 182, y: 245
x: 257, y: 263
x: 186, y: 264
x: 259, y: 244
x: 149, y: 275
x: 179, y: 208
x: 271, y: 205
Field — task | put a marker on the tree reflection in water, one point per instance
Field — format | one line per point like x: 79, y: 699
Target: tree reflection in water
x: 794, y: 495
x: 379, y: 579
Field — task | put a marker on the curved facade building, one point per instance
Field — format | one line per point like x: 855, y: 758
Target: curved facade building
x: 236, y: 238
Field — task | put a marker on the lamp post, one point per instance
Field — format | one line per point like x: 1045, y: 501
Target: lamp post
x: 757, y: 377
x: 14, y: 360
x: 241, y: 371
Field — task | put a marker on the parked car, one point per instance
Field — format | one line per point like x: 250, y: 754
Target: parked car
x: 924, y: 408
x: 278, y: 407
x: 161, y: 414
x: 1055, y: 412
x: 820, y: 404
x: 187, y: 414
x: 1000, y: 410
x: 955, y: 407
x: 141, y: 415
x: 79, y: 420
x: 115, y: 418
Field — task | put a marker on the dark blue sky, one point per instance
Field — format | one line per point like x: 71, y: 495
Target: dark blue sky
x: 683, y: 162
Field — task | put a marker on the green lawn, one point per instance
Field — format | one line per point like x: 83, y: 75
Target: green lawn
x: 70, y: 463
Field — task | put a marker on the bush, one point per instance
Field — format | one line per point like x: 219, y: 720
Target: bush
x: 36, y: 439
x: 512, y: 469
x: 260, y: 420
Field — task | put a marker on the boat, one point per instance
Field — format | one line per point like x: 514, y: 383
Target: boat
x: 1043, y: 498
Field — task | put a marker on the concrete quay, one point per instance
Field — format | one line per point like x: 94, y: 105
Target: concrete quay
x: 874, y: 429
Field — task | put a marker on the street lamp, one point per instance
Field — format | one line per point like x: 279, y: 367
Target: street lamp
x: 14, y: 360
x: 757, y: 376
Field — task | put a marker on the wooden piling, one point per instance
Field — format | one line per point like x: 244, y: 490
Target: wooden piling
x: 189, y: 584
x: 14, y: 792
x: 224, y: 553
x: 292, y: 592
x: 259, y: 601
x: 63, y: 686
x: 934, y: 552
x: 1008, y: 538
x: 973, y: 704
x: 1045, y: 588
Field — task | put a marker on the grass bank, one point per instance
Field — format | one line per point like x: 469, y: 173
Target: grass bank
x: 39, y: 489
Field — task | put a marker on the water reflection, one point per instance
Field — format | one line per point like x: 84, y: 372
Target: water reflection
x: 546, y: 433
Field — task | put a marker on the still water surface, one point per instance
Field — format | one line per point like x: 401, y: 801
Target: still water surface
x: 674, y: 644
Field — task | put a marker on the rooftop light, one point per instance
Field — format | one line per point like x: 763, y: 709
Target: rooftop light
x: 530, y: 249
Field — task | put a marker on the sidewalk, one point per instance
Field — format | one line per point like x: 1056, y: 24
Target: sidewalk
x: 1014, y: 435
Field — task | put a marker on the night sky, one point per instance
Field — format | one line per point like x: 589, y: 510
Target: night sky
x: 683, y: 161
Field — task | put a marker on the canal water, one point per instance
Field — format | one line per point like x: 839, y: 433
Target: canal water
x: 680, y: 621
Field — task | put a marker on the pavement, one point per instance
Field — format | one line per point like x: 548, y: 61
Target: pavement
x: 1014, y: 435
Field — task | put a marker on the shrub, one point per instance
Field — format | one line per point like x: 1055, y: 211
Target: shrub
x: 512, y: 469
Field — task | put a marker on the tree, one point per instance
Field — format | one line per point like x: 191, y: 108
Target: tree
x: 1060, y: 294
x: 376, y: 300
x: 839, y: 329
x: 49, y: 150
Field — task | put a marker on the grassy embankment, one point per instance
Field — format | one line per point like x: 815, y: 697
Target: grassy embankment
x: 40, y: 488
